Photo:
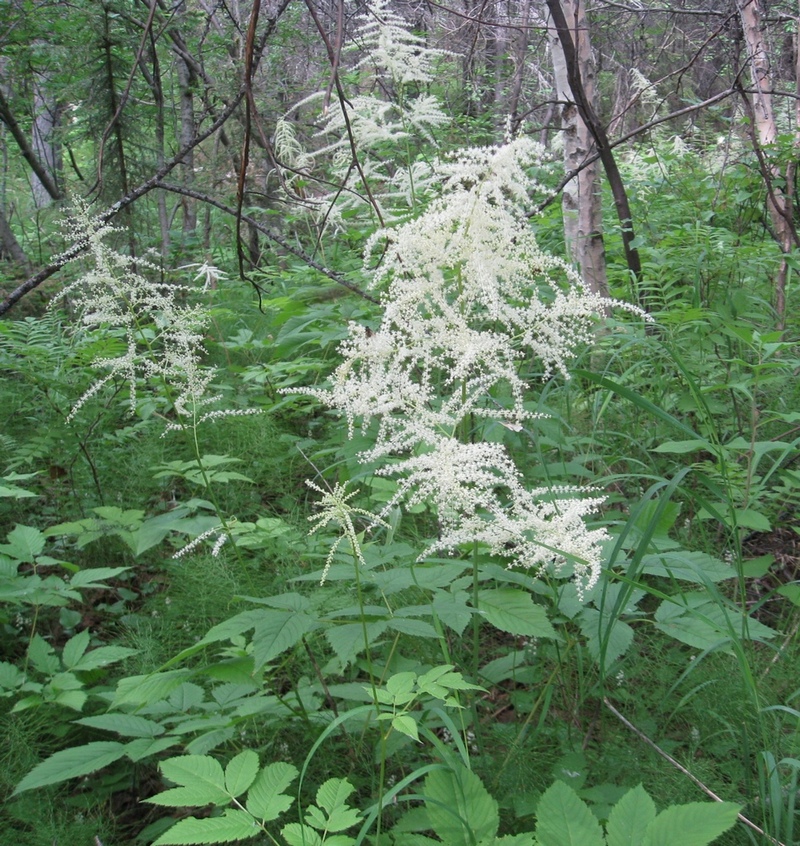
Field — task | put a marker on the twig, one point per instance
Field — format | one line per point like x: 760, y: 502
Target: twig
x: 642, y: 736
x: 265, y: 230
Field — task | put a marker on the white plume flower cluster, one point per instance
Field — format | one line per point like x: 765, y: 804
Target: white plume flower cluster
x: 470, y: 304
x: 163, y: 337
x: 389, y: 109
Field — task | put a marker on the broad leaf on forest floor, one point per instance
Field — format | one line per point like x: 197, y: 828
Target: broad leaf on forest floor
x: 460, y: 809
x: 515, y: 612
x: 563, y: 819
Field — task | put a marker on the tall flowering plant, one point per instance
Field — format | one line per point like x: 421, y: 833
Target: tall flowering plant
x: 469, y: 302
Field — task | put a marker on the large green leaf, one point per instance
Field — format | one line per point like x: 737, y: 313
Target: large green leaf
x: 201, y: 781
x: 103, y: 656
x: 629, y: 818
x: 296, y: 834
x: 335, y: 815
x: 605, y: 635
x: 241, y: 772
x: 347, y: 640
x: 74, y: 649
x: 515, y: 612
x: 277, y: 631
x: 71, y: 763
x: 24, y: 544
x: 232, y: 825
x: 452, y: 609
x: 266, y: 799
x: 695, y: 824
x: 460, y: 809
x: 698, y: 567
x: 698, y: 621
x: 144, y: 690
x: 95, y: 577
x: 127, y: 725
x: 562, y: 819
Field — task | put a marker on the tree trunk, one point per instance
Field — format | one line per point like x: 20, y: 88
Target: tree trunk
x: 46, y: 117
x: 187, y: 81
x: 765, y: 132
x: 581, y: 198
x: 9, y: 246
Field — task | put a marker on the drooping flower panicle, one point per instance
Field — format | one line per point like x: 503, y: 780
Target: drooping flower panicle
x: 470, y: 302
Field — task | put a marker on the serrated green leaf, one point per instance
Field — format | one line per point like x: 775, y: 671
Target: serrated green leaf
x: 562, y: 819
x: 144, y: 690
x: 71, y: 763
x: 11, y: 677
x: 416, y: 628
x: 460, y: 809
x: 705, y: 624
x: 332, y: 796
x: 241, y: 772
x: 24, y: 544
x: 698, y: 567
x: 201, y: 781
x: 400, y: 686
x: 347, y: 640
x: 406, y: 724
x: 605, y: 634
x: 515, y: 612
x: 694, y: 824
x: 74, y: 699
x: 452, y: 609
x: 127, y: 725
x: 629, y: 818
x: 227, y: 629
x: 74, y: 649
x: 266, y: 799
x: 300, y: 835
x: 42, y: 656
x: 145, y: 747
x: 103, y: 656
x: 232, y: 825
x: 277, y: 631
x: 95, y: 577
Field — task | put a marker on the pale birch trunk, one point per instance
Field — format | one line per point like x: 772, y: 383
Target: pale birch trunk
x: 581, y: 198
x: 779, y: 201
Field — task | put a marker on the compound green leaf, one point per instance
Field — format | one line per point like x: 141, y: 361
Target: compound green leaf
x: 332, y: 796
x: 232, y: 825
x: 201, y: 781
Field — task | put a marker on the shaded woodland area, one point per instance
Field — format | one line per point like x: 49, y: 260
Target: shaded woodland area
x: 399, y: 422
